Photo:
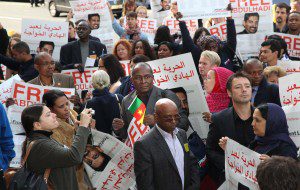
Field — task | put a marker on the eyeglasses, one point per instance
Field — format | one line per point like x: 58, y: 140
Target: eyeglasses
x: 171, y: 118
x: 140, y: 78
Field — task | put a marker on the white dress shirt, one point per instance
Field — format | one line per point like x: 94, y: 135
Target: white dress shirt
x: 176, y: 150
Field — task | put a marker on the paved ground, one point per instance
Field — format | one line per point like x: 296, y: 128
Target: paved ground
x: 11, y: 14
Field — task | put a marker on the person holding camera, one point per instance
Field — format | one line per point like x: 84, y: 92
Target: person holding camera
x: 59, y: 104
x: 39, y: 124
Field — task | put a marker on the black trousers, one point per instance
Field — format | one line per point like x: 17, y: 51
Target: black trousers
x: 34, y: 2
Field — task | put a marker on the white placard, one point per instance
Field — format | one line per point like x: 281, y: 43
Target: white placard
x: 89, y: 62
x: 241, y: 164
x: 219, y: 30
x: 119, y: 172
x: 34, y: 31
x: 82, y: 81
x: 289, y: 91
x: 290, y: 67
x: 179, y: 71
x: 6, y: 87
x: 293, y: 44
x: 203, y: 9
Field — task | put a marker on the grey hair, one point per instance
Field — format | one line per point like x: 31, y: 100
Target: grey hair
x: 100, y: 80
x: 212, y: 56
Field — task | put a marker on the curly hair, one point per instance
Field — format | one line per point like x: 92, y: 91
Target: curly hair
x: 113, y: 67
x: 147, y: 49
x: 125, y: 43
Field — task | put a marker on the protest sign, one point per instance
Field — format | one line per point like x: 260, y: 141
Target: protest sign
x: 173, y: 25
x: 148, y: 26
x: 6, y: 87
x: 135, y: 131
x: 241, y: 164
x: 82, y: 81
x: 14, y: 113
x: 82, y: 8
x: 34, y: 31
x: 289, y: 91
x: 219, y: 30
x: 293, y: 44
x: 126, y: 66
x: 258, y: 15
x: 157, y: 13
x: 196, y: 9
x: 26, y: 94
x: 179, y: 71
x: 18, y: 142
x: 289, y: 66
x: 119, y: 172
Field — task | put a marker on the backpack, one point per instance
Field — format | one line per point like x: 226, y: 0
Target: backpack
x: 25, y: 178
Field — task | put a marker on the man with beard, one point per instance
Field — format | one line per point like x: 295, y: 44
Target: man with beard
x: 234, y: 122
x: 250, y: 23
x: 165, y: 5
x: 294, y: 23
x: 74, y: 54
x: 281, y: 13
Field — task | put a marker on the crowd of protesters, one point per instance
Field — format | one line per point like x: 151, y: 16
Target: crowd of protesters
x: 242, y: 97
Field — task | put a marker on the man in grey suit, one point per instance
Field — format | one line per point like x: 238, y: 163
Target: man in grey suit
x: 142, y: 79
x: 162, y: 159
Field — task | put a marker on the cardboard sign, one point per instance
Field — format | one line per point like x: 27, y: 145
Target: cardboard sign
x: 219, y: 30
x: 293, y: 44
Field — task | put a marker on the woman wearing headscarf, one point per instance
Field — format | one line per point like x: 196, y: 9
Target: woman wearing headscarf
x: 215, y: 86
x: 271, y: 130
x: 226, y: 50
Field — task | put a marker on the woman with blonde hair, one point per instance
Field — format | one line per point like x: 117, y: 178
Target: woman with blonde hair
x: 141, y: 12
x: 273, y: 73
x: 105, y: 104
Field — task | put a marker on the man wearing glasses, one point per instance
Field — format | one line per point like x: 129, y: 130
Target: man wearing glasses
x: 162, y: 159
x: 45, y: 65
x: 142, y: 80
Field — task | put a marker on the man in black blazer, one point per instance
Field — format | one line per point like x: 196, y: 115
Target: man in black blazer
x: 262, y: 91
x: 74, y: 54
x: 234, y: 122
x: 162, y: 159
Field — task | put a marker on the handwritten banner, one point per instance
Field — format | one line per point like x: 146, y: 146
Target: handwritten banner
x: 289, y: 91
x: 119, y: 172
x: 26, y: 94
x: 290, y: 66
x: 219, y: 30
x: 34, y: 31
x: 241, y: 164
x: 6, y: 88
x: 180, y: 71
x: 82, y: 81
x: 293, y: 44
x: 203, y: 9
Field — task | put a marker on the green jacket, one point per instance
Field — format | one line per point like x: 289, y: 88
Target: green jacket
x: 48, y: 153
